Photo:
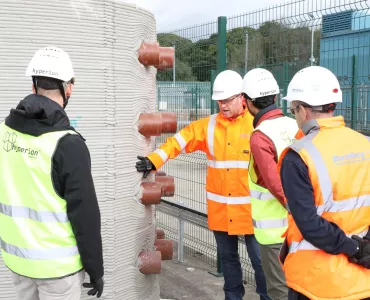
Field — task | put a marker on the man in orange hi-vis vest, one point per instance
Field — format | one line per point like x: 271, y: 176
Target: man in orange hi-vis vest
x: 224, y: 137
x: 326, y: 181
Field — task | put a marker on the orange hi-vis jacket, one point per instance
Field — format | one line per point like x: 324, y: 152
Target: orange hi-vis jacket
x: 338, y: 161
x: 226, y: 144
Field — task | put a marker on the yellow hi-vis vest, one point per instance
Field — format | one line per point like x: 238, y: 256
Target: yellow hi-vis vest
x: 36, y: 236
x: 269, y: 216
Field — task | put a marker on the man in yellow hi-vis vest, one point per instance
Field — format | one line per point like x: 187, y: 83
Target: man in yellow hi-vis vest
x: 49, y: 214
x: 273, y: 132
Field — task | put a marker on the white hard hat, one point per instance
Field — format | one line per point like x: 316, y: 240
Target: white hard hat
x: 259, y: 83
x: 228, y: 83
x: 51, y: 62
x: 315, y: 86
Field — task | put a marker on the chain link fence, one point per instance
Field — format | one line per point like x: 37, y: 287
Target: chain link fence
x: 283, y: 39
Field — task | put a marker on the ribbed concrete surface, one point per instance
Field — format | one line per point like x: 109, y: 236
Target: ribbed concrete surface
x: 112, y: 88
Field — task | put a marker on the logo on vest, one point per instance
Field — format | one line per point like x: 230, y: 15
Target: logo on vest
x: 351, y: 157
x: 9, y: 144
x: 286, y: 137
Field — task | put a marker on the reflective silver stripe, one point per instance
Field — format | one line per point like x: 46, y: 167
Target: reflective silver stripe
x: 228, y: 200
x: 269, y: 224
x: 348, y: 204
x: 40, y: 254
x: 180, y: 140
x: 304, y: 245
x: 323, y: 176
x: 211, y: 135
x: 162, y: 154
x: 264, y: 196
x: 232, y: 164
x: 28, y: 213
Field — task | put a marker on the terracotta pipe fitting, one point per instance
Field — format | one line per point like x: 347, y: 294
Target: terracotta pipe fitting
x: 149, y: 54
x: 151, y: 194
x: 165, y: 247
x: 166, y: 58
x: 160, y: 173
x: 168, y: 185
x: 169, y: 122
x: 150, y: 124
x: 150, y: 262
x: 159, y: 234
x: 154, y: 124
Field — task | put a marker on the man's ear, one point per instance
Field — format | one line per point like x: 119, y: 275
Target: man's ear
x: 33, y: 89
x: 69, y: 90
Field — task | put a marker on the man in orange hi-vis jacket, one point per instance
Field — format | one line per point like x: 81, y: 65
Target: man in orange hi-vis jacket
x: 224, y: 137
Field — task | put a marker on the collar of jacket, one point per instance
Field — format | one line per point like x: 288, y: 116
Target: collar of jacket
x: 36, y: 115
x: 324, y: 123
x: 225, y: 121
x: 258, y: 116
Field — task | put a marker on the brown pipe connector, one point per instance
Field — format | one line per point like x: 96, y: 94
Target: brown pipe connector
x: 160, y: 173
x: 168, y: 185
x: 151, y: 54
x: 165, y: 247
x: 169, y: 122
x: 150, y: 262
x: 159, y: 233
x: 166, y: 58
x: 154, y: 124
x: 152, y: 192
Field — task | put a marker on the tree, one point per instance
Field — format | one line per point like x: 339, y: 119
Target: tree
x: 183, y: 47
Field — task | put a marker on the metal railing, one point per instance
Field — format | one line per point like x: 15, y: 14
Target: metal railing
x: 187, y: 223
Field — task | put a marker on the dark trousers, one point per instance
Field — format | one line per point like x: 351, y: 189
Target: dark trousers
x: 228, y: 250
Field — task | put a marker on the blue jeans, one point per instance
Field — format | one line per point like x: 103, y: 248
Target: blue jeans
x: 228, y: 250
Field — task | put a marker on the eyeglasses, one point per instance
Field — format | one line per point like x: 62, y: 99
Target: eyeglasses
x: 227, y: 101
x: 292, y: 109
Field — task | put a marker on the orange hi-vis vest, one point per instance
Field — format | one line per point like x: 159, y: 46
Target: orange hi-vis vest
x: 226, y: 144
x: 338, y: 161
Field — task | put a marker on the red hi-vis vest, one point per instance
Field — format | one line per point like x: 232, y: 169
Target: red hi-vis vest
x: 226, y: 144
x: 338, y: 161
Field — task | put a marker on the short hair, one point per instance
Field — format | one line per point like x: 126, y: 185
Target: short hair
x: 46, y: 83
x: 261, y: 102
x: 326, y: 108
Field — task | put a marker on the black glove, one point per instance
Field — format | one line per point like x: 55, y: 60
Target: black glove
x: 97, y: 287
x: 362, y: 257
x: 144, y: 165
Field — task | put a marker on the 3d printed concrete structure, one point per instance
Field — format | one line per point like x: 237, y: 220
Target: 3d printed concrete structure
x: 116, y: 57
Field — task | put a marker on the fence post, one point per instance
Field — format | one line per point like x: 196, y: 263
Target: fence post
x: 285, y: 87
x: 221, y: 66
x: 221, y: 44
x: 213, y: 103
x: 180, y: 242
x: 354, y: 94
x: 218, y: 272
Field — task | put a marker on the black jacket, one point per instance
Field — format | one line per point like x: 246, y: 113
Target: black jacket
x: 71, y: 174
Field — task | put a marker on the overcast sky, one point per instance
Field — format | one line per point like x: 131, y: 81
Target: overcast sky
x: 176, y: 14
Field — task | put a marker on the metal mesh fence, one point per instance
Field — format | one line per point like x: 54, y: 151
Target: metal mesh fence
x: 283, y: 39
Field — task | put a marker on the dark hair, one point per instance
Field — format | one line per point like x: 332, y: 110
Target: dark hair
x: 47, y: 83
x: 326, y: 108
x: 261, y: 102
